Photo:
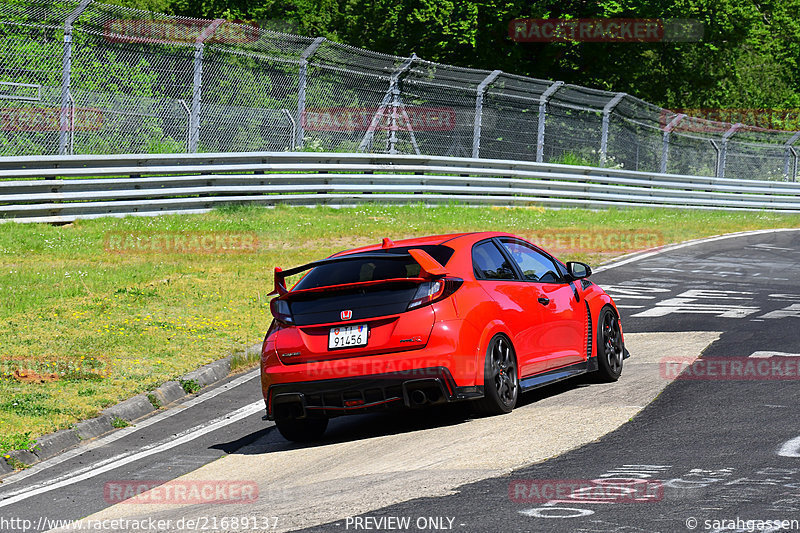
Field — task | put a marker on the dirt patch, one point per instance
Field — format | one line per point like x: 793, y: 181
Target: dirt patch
x: 28, y: 376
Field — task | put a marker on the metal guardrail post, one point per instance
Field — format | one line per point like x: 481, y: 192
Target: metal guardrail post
x: 391, y: 96
x: 607, y: 109
x: 197, y: 83
x: 479, y: 93
x: 66, y: 77
x: 665, y: 146
x: 542, y: 110
x: 723, y: 154
x: 301, y: 90
x: 790, y: 153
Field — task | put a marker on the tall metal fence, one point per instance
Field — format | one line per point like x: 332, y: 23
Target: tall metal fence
x: 80, y: 77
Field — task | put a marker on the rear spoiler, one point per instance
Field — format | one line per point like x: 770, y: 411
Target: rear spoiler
x: 430, y: 268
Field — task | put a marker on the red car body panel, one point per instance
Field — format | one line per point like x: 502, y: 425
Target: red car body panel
x: 449, y: 336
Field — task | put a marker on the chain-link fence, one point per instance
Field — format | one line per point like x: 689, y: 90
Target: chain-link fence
x: 80, y: 77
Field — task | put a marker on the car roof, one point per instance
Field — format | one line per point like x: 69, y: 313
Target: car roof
x: 452, y: 240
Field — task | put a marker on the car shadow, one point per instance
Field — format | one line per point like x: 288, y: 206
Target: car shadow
x: 371, y: 425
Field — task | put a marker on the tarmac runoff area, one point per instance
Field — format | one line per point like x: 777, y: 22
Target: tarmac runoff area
x: 370, y: 462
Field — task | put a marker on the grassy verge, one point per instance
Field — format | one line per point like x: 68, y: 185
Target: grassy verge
x: 83, y: 327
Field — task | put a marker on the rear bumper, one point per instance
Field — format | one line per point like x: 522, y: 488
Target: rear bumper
x: 375, y: 392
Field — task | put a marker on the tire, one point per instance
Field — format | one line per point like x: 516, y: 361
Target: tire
x: 500, y: 378
x: 302, y: 429
x: 610, y: 348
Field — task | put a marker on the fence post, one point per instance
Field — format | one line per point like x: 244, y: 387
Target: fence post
x: 665, y: 146
x: 794, y: 167
x: 543, y: 99
x: 289, y: 117
x: 66, y: 78
x: 716, y: 149
x: 607, y: 109
x: 789, y: 153
x: 188, y: 127
x: 395, y: 90
x: 476, y: 135
x: 197, y: 83
x: 723, y: 154
x: 301, y: 90
x: 391, y: 96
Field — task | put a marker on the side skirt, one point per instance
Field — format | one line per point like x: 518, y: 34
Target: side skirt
x: 558, y: 374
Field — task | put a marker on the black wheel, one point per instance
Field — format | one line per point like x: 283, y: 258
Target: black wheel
x: 610, y: 348
x: 500, y: 380
x: 303, y: 429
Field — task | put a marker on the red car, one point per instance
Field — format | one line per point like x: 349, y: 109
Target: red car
x: 471, y: 316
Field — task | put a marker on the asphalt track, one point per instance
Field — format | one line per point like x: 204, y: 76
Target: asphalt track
x: 710, y: 449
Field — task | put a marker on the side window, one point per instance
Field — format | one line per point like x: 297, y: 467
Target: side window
x: 489, y: 263
x: 535, y: 266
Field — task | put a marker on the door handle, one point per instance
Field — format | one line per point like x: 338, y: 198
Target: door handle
x: 543, y: 300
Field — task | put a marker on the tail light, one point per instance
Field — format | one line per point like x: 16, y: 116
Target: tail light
x: 280, y: 310
x: 273, y: 327
x: 433, y: 291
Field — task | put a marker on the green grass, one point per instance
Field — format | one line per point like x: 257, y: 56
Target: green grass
x: 190, y: 385
x: 97, y: 327
x: 15, y: 441
x: 118, y: 422
x: 242, y: 359
x: 154, y: 401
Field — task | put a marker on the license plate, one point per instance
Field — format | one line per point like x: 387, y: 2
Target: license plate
x: 347, y: 336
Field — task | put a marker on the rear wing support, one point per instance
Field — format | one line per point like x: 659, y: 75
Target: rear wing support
x: 430, y: 268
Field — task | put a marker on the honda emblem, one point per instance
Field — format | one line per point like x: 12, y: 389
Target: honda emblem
x: 347, y: 314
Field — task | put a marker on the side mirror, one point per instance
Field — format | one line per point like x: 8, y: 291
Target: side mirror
x: 578, y: 270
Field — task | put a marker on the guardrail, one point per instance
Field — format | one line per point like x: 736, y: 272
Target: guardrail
x: 60, y: 189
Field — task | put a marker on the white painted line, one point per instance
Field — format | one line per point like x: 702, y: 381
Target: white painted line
x: 791, y: 311
x: 124, y: 432
x: 117, y: 461
x: 770, y: 247
x: 790, y: 448
x: 637, y: 256
x: 768, y: 354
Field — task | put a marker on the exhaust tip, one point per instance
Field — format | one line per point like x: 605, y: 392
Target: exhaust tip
x: 418, y: 397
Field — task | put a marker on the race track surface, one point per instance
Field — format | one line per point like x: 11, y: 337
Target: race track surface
x: 697, y: 453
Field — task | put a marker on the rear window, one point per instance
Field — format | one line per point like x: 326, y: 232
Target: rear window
x: 357, y: 270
